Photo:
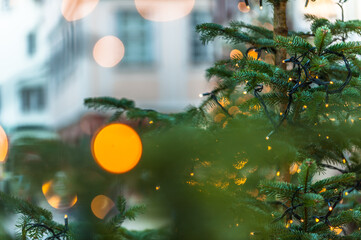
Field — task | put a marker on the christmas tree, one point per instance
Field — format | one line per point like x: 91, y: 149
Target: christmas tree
x: 244, y: 163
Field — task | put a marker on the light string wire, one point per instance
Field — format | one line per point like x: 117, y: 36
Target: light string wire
x: 49, y: 229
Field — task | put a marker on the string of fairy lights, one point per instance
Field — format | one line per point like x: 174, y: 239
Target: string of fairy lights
x: 54, y: 236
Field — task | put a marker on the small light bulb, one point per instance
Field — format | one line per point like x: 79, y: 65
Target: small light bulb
x: 344, y: 161
x: 269, y: 148
x: 346, y: 193
x: 290, y: 79
x: 281, y: 113
x: 151, y: 122
x: 200, y: 95
x: 327, y: 137
x: 291, y: 221
x: 331, y: 82
x: 267, y: 138
x: 317, y: 220
x: 287, y: 225
x: 192, y: 174
x: 261, y: 7
x: 302, y: 220
x: 326, y: 105
x: 332, y: 228
x: 244, y: 92
x: 299, y: 170
x: 157, y: 188
x: 330, y: 209
x: 283, y: 61
x: 304, y: 106
x: 66, y: 216
x: 278, y: 173
x: 252, y: 234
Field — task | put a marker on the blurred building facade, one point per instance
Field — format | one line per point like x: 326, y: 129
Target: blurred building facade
x: 54, y: 70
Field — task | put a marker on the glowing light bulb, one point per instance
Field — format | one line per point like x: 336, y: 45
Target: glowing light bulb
x: 304, y: 106
x: 346, y: 193
x: 330, y: 209
x: 200, y: 95
x: 327, y: 137
x: 278, y: 173
x: 326, y: 105
x: 269, y: 148
x: 157, y: 188
x: 302, y: 220
x: 267, y: 138
x: 317, y: 220
x: 151, y: 122
x: 251, y: 233
x: 331, y: 82
x: 344, y: 161
x: 244, y: 92
x: 332, y: 228
x: 291, y: 221
x: 192, y: 174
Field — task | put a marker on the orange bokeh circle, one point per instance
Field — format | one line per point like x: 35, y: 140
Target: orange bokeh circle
x: 101, y: 205
x: 117, y: 148
x: 236, y: 54
x: 4, y: 145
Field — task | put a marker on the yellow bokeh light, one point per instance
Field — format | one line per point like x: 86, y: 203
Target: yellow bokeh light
x: 252, y: 54
x: 242, y: 7
x: 164, y: 10
x: 4, y: 145
x: 55, y: 200
x: 117, y: 148
x: 101, y: 205
x: 108, y: 51
x: 73, y: 10
x: 236, y: 54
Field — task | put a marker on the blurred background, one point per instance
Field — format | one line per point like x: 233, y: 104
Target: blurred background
x: 53, y: 55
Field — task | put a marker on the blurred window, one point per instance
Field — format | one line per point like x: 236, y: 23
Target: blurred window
x: 200, y: 53
x: 32, y: 99
x: 31, y: 39
x: 136, y: 34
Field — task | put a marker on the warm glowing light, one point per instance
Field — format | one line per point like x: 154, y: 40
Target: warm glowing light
x: 346, y: 193
x: 151, y: 122
x: 244, y: 92
x: 65, y: 216
x: 269, y: 148
x: 242, y: 7
x: 281, y: 113
x: 164, y: 10
x: 219, y: 117
x: 236, y: 54
x: 267, y: 138
x: 299, y: 170
x: 117, y: 148
x: 157, y: 188
x: 304, y: 106
x: 326, y: 105
x: 278, y: 173
x: 77, y: 9
x: 291, y: 221
x: 192, y: 174
x: 108, y: 51
x: 317, y: 220
x: 331, y: 82
x: 200, y: 95
x: 293, y: 168
x: 344, y: 161
x: 337, y: 230
x: 253, y: 54
x: 327, y: 137
x: 323, y: 190
x: 101, y: 205
x: 251, y: 233
x: 57, y: 197
x: 330, y: 209
x: 332, y: 228
x: 4, y: 145
x: 302, y: 220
